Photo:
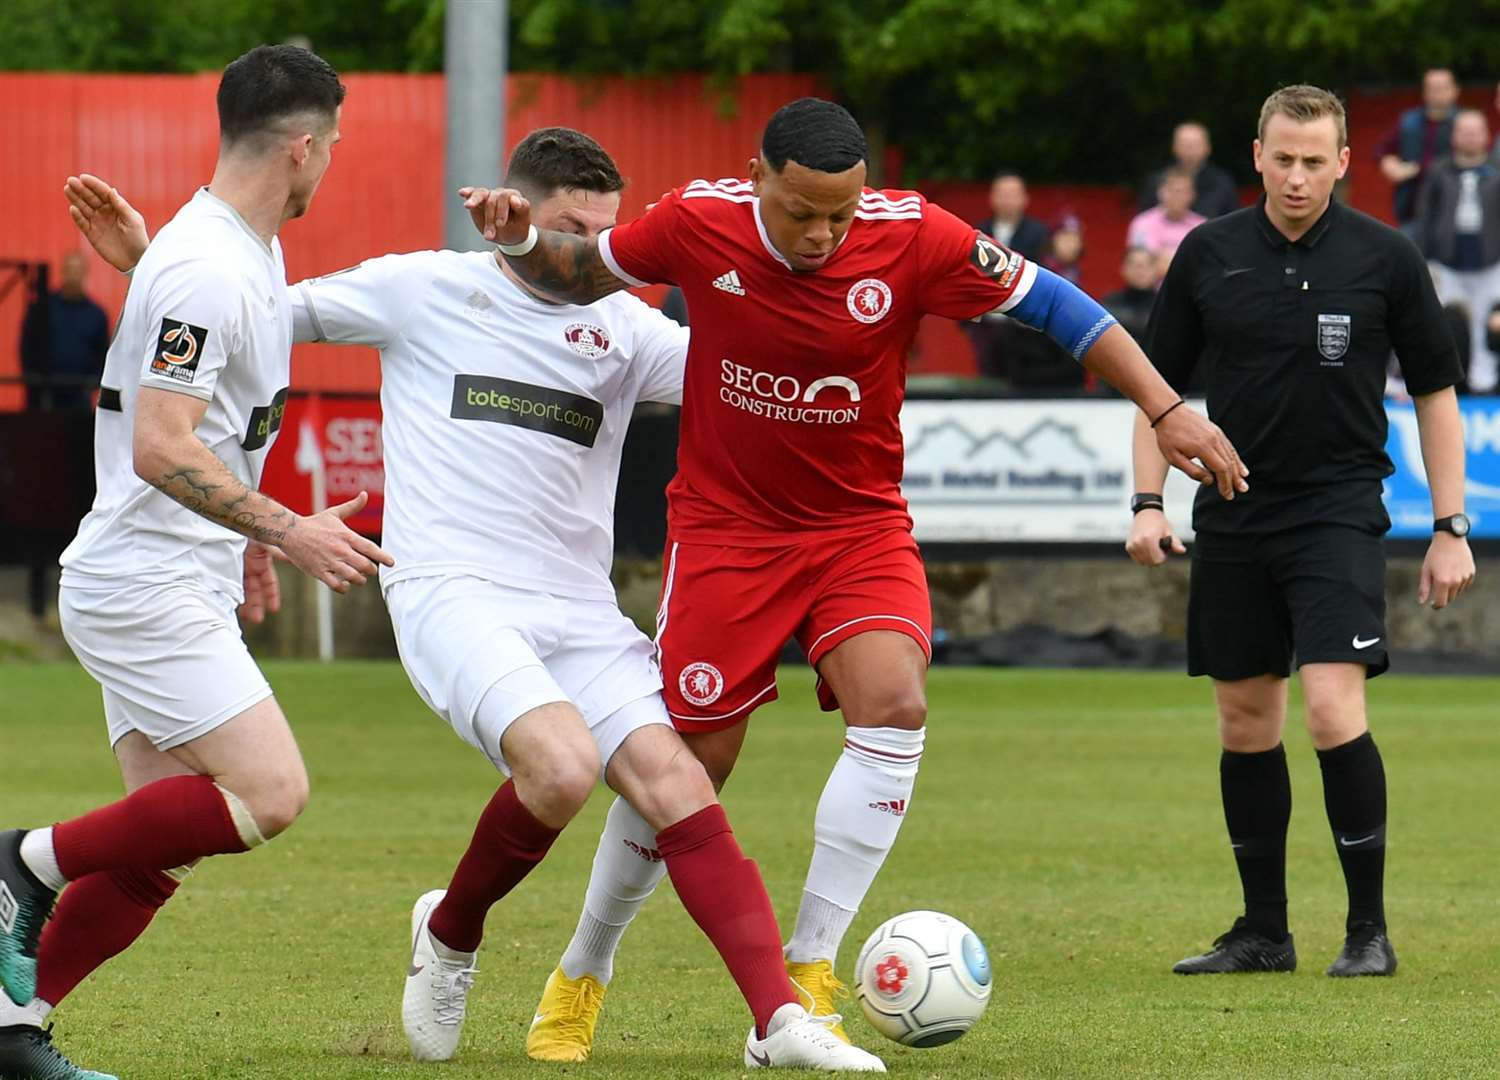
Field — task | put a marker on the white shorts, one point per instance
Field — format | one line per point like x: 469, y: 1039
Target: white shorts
x: 462, y: 639
x: 169, y: 657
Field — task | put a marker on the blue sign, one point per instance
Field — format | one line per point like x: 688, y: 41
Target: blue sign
x: 1407, y: 497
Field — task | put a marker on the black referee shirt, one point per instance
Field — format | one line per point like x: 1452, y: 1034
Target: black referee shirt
x: 1295, y: 337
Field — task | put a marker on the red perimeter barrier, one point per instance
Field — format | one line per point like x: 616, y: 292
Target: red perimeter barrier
x: 156, y: 137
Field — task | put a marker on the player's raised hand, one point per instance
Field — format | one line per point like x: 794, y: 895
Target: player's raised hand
x: 1447, y: 570
x: 262, y: 586
x: 114, y: 227
x: 1186, y: 438
x: 323, y: 547
x: 502, y: 215
x: 1151, y: 538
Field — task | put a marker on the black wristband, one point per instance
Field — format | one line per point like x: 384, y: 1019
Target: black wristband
x: 1179, y: 402
x: 1146, y: 500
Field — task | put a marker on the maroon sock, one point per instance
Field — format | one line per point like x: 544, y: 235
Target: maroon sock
x: 723, y: 892
x: 167, y: 823
x: 97, y: 918
x: 508, y: 842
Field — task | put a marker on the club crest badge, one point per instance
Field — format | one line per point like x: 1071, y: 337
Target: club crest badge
x: 701, y: 683
x: 869, y: 300
x: 1333, y: 336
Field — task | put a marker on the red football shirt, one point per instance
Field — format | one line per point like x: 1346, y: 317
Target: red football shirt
x: 792, y: 400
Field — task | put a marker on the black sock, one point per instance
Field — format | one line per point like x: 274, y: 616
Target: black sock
x: 1257, y: 791
x: 1354, y: 793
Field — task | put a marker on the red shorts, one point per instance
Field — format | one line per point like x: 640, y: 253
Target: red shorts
x: 727, y: 612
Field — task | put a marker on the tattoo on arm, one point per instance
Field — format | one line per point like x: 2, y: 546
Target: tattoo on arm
x: 224, y: 499
x: 566, y: 267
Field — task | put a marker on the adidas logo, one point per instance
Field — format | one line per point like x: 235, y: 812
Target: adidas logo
x: 9, y: 909
x: 890, y: 806
x: 730, y: 283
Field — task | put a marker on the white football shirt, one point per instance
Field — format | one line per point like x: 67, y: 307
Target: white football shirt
x: 503, y: 416
x: 208, y: 314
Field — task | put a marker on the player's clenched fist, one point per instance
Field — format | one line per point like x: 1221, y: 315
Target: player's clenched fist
x: 502, y: 215
x: 1151, y: 537
x: 323, y: 547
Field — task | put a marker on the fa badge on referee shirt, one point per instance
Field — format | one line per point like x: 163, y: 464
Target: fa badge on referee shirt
x: 1333, y: 335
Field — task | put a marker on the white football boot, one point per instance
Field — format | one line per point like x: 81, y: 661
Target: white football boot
x: 437, y: 989
x: 796, y: 1040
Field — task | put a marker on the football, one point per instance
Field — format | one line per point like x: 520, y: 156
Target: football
x: 922, y: 978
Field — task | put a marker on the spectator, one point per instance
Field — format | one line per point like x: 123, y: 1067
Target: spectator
x: 1495, y: 152
x: 64, y: 337
x: 1009, y: 223
x: 1458, y: 229
x: 1132, y: 304
x: 1214, y: 192
x: 1029, y: 362
x: 1160, y: 229
x: 1064, y: 252
x: 1421, y: 136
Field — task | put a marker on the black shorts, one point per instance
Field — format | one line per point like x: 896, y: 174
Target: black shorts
x: 1315, y: 594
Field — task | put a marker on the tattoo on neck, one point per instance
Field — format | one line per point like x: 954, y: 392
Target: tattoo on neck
x: 566, y: 267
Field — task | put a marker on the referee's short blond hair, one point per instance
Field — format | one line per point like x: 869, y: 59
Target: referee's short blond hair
x: 1304, y: 104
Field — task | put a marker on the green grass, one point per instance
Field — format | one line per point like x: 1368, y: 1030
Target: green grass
x: 1071, y: 818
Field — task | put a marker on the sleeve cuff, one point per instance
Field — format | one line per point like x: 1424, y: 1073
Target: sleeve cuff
x: 312, y: 312
x: 1028, y: 279
x: 202, y: 393
x: 608, y: 255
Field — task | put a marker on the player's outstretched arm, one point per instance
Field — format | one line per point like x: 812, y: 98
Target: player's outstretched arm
x: 565, y: 267
x: 170, y: 457
x: 1184, y: 436
x: 116, y: 229
x: 1448, y: 568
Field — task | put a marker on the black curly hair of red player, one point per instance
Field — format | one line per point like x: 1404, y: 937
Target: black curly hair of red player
x: 816, y: 134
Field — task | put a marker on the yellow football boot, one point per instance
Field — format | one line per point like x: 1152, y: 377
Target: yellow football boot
x: 563, y: 1028
x: 820, y: 990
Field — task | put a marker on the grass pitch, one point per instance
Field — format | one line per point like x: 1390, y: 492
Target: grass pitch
x: 1072, y: 818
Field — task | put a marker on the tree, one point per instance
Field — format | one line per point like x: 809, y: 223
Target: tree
x: 1080, y: 90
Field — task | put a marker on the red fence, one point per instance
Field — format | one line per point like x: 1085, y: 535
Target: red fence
x: 156, y: 137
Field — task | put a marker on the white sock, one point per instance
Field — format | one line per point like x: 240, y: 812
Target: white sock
x: 40, y: 858
x: 33, y: 1014
x: 859, y: 815
x: 627, y: 869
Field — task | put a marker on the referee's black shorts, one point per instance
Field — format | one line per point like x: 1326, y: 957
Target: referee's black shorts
x: 1315, y: 593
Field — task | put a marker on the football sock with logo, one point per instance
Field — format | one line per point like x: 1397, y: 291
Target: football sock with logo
x: 627, y: 869
x: 1354, y: 795
x: 1257, y: 793
x: 98, y: 917
x: 858, y: 817
x: 725, y: 895
x: 507, y: 845
x: 167, y: 823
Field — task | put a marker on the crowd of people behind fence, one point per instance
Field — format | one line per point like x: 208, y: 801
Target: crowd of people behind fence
x: 1442, y: 161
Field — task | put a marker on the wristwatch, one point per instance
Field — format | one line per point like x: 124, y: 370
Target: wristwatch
x: 1146, y: 500
x: 1457, y: 524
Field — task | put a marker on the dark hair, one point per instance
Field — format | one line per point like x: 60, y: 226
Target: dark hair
x: 272, y: 82
x: 816, y: 134
x: 559, y: 158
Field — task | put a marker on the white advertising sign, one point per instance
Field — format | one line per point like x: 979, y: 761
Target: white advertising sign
x: 986, y: 471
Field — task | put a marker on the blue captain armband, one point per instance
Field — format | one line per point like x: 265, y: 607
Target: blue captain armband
x: 1062, y: 311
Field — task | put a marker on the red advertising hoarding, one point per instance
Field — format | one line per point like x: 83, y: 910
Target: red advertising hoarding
x: 340, y: 435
